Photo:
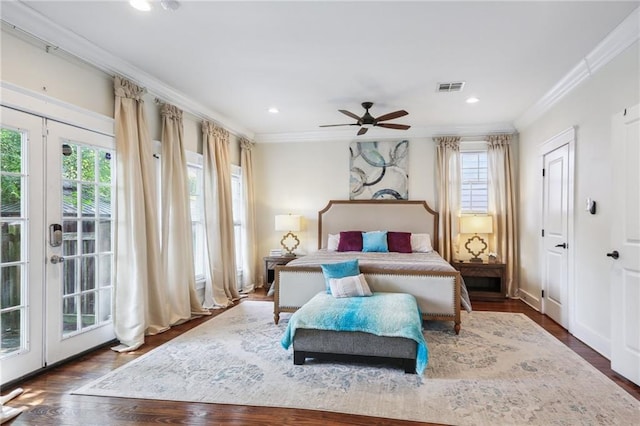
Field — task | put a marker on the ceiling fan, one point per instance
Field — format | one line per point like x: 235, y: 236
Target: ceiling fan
x: 367, y: 120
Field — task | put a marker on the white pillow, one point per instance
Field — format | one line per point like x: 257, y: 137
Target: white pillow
x: 353, y: 286
x: 332, y: 242
x: 421, y: 243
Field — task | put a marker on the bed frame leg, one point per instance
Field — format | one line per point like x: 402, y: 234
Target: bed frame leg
x: 276, y: 317
x: 456, y: 327
x: 298, y: 357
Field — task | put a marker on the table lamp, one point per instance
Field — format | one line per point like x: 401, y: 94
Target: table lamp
x: 476, y: 225
x: 289, y: 223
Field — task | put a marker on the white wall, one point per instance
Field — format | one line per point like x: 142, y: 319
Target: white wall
x: 589, y: 107
x: 301, y: 178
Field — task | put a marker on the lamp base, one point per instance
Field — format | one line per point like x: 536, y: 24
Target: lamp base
x: 289, y: 250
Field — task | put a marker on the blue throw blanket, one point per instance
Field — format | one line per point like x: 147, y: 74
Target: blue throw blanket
x: 383, y: 314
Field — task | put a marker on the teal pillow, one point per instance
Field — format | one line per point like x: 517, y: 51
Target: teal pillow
x: 374, y: 241
x: 339, y: 270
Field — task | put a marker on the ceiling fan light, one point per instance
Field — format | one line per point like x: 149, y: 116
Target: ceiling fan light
x: 142, y: 5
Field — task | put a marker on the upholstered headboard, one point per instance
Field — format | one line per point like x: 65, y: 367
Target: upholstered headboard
x: 377, y: 215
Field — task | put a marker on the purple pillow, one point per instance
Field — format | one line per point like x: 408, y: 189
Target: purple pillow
x: 399, y: 241
x: 350, y: 241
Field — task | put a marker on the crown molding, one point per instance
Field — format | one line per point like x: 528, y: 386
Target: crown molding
x: 380, y: 133
x: 618, y: 40
x: 28, y: 20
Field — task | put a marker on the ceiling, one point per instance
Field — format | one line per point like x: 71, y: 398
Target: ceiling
x: 234, y: 60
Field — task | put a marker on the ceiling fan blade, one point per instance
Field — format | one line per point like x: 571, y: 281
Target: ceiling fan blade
x: 350, y: 114
x: 335, y: 125
x: 362, y: 131
x: 393, y: 126
x: 392, y: 115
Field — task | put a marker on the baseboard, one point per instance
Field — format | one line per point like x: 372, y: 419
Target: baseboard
x: 594, y: 340
x: 530, y: 300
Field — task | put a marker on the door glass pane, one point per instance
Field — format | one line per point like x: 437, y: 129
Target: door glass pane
x: 11, y: 241
x: 88, y: 309
x: 11, y: 195
x: 88, y: 273
x: 88, y: 200
x: 88, y: 164
x: 69, y: 199
x: 104, y: 236
x: 11, y: 323
x: 104, y: 313
x: 13, y: 261
x: 88, y: 236
x: 105, y: 270
x: 11, y: 151
x: 104, y: 201
x: 70, y: 237
x: 69, y: 161
x: 69, y: 314
x: 104, y: 166
x: 10, y: 280
x: 69, y: 271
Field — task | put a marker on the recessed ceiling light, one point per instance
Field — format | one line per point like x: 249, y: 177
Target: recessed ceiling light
x: 472, y: 100
x: 273, y: 110
x: 142, y: 5
x: 170, y: 4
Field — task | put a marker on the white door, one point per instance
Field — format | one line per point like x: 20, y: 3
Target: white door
x: 53, y: 309
x: 22, y: 253
x: 555, y: 218
x: 625, y: 245
x: 80, y: 270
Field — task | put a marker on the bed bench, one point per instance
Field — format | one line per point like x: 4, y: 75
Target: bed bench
x: 383, y: 325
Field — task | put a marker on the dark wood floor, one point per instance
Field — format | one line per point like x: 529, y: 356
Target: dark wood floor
x: 48, y: 400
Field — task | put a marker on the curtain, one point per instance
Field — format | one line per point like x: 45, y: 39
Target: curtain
x: 139, y: 293
x: 177, y: 237
x: 221, y: 289
x: 250, y: 266
x: 502, y: 206
x: 448, y: 182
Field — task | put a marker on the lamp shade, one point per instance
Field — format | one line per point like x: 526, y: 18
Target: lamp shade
x: 476, y: 225
x: 287, y: 222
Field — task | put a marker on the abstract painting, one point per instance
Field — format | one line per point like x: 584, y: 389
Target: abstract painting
x: 379, y: 170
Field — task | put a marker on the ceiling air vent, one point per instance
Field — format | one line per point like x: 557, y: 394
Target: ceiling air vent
x: 451, y: 87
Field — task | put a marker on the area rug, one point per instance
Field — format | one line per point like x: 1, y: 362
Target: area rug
x: 502, y: 369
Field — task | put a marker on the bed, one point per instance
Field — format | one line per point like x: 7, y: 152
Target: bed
x: 436, y: 285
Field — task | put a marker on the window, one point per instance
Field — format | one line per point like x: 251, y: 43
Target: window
x: 196, y: 201
x: 238, y: 214
x: 474, y: 186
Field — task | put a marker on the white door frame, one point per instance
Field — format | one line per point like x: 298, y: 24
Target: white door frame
x: 566, y: 137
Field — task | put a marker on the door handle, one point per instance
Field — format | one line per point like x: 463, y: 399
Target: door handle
x: 614, y: 254
x: 563, y: 245
x: 56, y: 259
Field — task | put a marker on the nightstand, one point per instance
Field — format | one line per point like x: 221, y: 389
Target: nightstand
x: 270, y: 263
x: 484, y: 281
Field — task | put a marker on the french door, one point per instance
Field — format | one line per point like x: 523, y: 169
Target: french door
x: 58, y: 203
